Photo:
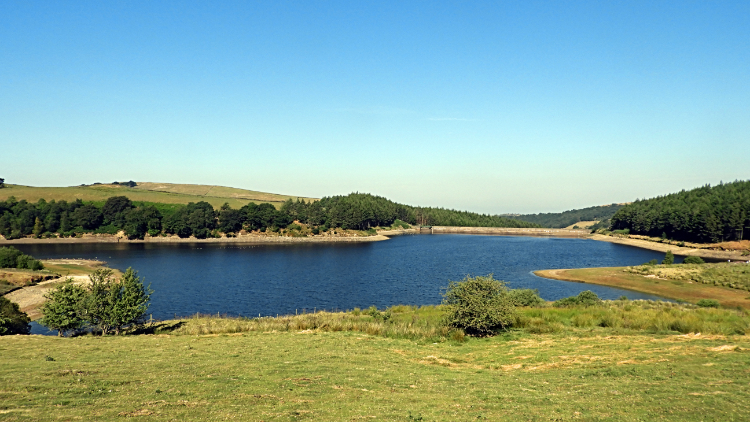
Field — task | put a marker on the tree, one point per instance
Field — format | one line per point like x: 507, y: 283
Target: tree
x: 88, y: 216
x: 38, y: 228
x: 2, y: 183
x: 479, y: 305
x: 111, y: 305
x: 115, y: 210
x: 12, y: 319
x: 668, y: 258
x: 62, y: 310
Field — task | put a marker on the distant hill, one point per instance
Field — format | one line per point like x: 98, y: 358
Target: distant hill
x: 168, y: 193
x: 559, y: 220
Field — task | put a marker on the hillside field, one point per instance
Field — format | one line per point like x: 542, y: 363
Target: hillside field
x: 166, y: 193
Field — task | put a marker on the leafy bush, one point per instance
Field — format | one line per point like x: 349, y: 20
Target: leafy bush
x: 693, y: 260
x: 379, y: 316
x: 708, y: 303
x: 479, y: 305
x: 652, y: 262
x: 668, y: 258
x: 11, y: 257
x: 525, y: 297
x: 12, y: 319
x: 106, y: 303
x: 398, y: 224
x: 585, y: 298
x: 371, y: 232
x: 113, y: 304
x: 63, y: 309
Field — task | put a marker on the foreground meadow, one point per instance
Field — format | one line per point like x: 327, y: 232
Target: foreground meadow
x: 327, y: 367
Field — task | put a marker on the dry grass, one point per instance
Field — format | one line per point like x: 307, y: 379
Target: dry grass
x: 735, y: 276
x: 340, y: 376
x: 688, y: 291
x: 170, y: 194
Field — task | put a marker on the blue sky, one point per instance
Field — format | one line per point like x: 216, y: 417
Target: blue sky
x: 487, y: 106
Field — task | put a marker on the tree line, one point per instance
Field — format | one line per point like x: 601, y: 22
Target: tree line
x: 558, y: 220
x: 706, y: 214
x: 356, y: 211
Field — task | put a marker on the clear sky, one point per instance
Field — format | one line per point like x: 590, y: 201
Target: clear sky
x: 501, y: 106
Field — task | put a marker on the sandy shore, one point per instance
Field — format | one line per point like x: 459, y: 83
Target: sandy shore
x: 99, y: 238
x: 677, y: 250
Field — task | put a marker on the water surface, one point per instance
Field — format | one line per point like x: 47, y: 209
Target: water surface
x: 252, y: 280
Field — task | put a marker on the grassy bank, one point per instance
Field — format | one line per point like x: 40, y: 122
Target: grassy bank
x: 164, y: 193
x: 679, y: 289
x: 277, y: 371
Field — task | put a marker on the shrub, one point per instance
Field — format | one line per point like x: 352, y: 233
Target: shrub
x: 585, y: 298
x: 11, y: 257
x: 525, y: 297
x: 708, y: 303
x: 693, y: 260
x: 113, y: 304
x: 652, y: 262
x: 371, y: 232
x: 62, y: 310
x: 668, y: 258
x: 479, y: 305
x: 12, y: 319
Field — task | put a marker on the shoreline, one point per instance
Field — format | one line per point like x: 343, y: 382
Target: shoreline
x: 380, y: 236
x: 671, y: 289
x: 677, y: 250
x: 245, y: 239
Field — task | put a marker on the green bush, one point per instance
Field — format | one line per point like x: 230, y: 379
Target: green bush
x: 693, y: 260
x: 708, y: 303
x: 652, y: 262
x: 585, y: 298
x: 371, y: 232
x: 668, y: 258
x: 479, y: 305
x: 525, y: 297
x: 63, y: 309
x: 111, y: 304
x: 11, y: 257
x: 12, y: 319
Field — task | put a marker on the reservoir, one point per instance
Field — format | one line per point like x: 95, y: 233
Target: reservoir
x: 270, y: 279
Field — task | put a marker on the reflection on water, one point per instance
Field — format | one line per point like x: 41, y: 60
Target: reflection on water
x: 251, y: 280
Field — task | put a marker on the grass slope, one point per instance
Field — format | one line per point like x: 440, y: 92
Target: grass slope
x: 683, y: 282
x: 149, y: 192
x: 336, y: 376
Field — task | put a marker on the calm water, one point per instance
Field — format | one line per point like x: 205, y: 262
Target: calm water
x: 249, y: 280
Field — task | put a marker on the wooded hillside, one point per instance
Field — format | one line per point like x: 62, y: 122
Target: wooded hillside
x: 706, y: 214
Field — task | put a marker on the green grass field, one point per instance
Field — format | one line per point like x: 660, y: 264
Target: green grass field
x: 147, y: 192
x: 286, y: 369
